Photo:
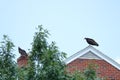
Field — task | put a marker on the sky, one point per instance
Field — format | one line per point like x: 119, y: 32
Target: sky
x: 68, y: 22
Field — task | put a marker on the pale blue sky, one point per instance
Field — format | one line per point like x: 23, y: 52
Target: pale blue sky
x: 68, y: 21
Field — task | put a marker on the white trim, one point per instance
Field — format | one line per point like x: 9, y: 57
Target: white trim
x: 96, y: 52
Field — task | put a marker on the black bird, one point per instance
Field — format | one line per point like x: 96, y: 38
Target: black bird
x: 22, y: 52
x: 91, y: 42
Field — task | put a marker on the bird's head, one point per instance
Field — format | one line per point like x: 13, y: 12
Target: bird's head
x: 85, y: 38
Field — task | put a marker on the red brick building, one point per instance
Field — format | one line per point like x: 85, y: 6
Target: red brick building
x: 107, y: 68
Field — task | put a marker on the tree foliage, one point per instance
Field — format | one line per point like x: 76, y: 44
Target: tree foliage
x: 45, y: 60
x: 90, y: 72
x: 7, y: 64
x: 47, y: 57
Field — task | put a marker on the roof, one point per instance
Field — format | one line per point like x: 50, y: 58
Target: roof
x: 92, y: 53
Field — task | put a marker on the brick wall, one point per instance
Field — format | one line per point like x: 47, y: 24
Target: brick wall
x: 103, y: 70
x: 22, y: 61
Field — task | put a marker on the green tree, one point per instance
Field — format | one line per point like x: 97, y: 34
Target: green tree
x: 45, y: 60
x: 7, y: 64
x: 77, y: 75
x: 90, y: 73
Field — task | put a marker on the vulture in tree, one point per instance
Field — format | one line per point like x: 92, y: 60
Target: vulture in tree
x: 22, y: 52
x: 91, y: 42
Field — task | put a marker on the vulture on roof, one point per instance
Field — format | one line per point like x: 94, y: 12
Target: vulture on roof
x: 91, y: 41
x: 22, y: 52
